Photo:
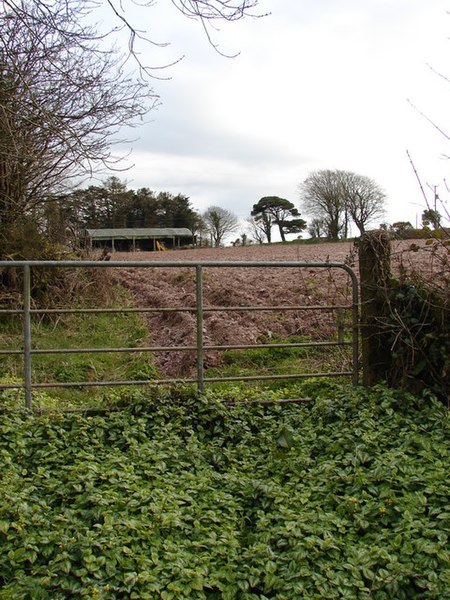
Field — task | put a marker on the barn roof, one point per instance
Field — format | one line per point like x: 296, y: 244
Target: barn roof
x: 138, y: 232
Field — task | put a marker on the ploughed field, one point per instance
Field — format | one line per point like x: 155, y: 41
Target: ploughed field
x: 170, y: 287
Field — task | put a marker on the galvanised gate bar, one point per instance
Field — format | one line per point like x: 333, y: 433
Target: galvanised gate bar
x: 26, y: 312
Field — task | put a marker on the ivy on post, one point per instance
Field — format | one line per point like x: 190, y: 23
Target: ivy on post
x: 374, y: 268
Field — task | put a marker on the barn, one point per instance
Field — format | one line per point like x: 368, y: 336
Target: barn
x: 139, y: 238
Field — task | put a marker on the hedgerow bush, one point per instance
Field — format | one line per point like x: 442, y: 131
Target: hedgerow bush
x: 177, y: 496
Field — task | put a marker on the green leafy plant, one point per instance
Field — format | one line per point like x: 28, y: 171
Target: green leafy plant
x: 180, y: 496
x: 420, y: 337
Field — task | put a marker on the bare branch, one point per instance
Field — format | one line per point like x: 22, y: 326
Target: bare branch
x: 204, y: 11
x: 435, y: 125
x: 63, y: 101
x: 417, y: 177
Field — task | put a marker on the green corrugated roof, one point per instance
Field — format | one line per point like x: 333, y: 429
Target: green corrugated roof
x: 138, y: 232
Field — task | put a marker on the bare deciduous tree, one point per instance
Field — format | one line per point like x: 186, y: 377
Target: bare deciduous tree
x: 333, y: 197
x: 321, y: 197
x: 364, y: 199
x: 317, y: 228
x: 219, y: 223
x: 62, y: 103
x: 257, y: 229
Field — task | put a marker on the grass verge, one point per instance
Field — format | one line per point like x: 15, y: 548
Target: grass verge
x: 280, y: 361
x: 67, y: 331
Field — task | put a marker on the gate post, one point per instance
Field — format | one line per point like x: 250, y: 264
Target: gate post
x: 200, y: 350
x: 374, y: 251
x: 27, y: 335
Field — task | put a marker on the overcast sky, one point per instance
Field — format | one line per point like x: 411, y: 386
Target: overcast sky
x: 318, y: 84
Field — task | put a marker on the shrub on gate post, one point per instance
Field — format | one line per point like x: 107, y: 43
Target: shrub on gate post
x: 405, y: 320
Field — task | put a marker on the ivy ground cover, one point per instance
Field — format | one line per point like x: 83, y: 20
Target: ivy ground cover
x: 183, y: 497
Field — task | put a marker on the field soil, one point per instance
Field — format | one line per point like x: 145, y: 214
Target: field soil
x: 307, y: 287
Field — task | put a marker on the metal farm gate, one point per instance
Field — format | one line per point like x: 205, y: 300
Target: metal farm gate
x: 25, y: 311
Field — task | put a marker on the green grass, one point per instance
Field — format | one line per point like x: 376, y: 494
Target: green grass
x: 79, y: 331
x: 280, y: 361
x: 129, y: 330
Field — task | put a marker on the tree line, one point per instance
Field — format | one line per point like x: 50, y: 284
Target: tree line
x: 112, y: 205
x: 333, y: 199
x: 326, y: 195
